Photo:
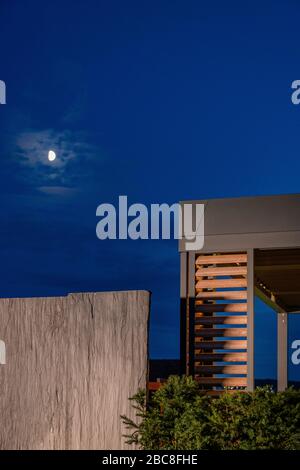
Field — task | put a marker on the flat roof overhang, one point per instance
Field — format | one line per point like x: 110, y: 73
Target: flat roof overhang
x: 277, y: 274
x: 270, y: 225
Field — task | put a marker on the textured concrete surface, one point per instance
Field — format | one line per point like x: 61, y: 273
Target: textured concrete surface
x: 71, y: 364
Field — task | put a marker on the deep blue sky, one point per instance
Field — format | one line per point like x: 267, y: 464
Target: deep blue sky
x: 161, y: 101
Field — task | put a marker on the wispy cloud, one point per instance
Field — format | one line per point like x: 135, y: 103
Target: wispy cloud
x: 33, y: 147
x: 57, y: 190
x: 72, y: 150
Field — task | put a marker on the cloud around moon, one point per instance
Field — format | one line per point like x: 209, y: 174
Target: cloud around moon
x: 48, y: 160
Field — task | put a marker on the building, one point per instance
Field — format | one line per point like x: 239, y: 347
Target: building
x: 251, y: 248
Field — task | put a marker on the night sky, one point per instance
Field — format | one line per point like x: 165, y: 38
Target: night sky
x: 160, y: 101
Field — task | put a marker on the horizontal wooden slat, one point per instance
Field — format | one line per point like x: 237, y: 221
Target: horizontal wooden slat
x: 222, y: 271
x: 230, y: 344
x: 217, y: 393
x: 221, y: 320
x: 221, y: 357
x: 214, y: 332
x: 223, y: 295
x: 221, y: 259
x: 155, y: 385
x: 224, y: 381
x: 221, y: 369
x: 209, y: 308
x: 220, y: 283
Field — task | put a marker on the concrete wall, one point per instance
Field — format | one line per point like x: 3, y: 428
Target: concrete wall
x: 71, y: 364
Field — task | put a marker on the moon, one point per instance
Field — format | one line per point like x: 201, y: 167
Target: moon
x: 51, y: 155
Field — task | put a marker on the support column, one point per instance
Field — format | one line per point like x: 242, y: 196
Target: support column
x: 250, y: 327
x: 191, y: 310
x: 183, y: 312
x: 282, y: 346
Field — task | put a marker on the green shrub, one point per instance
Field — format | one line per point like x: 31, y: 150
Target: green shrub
x: 179, y: 417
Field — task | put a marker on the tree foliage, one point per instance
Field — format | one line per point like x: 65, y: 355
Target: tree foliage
x: 179, y: 417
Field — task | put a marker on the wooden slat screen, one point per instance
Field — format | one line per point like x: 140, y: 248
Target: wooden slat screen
x: 220, y: 321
